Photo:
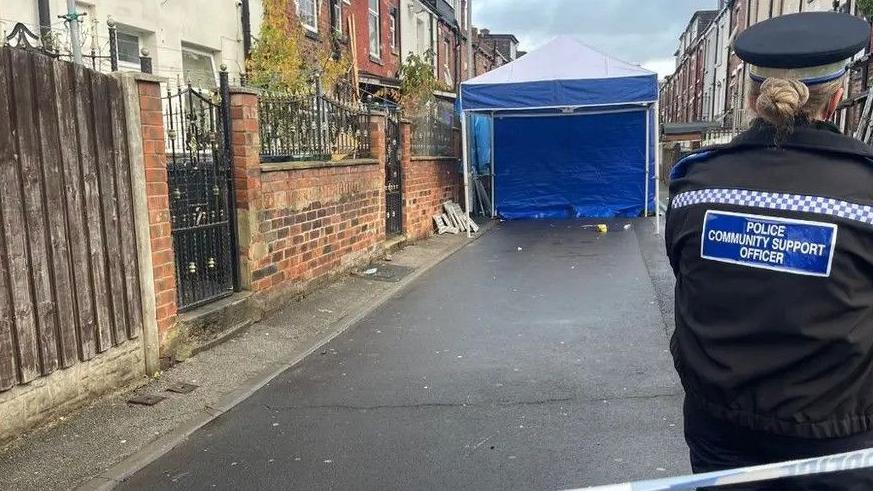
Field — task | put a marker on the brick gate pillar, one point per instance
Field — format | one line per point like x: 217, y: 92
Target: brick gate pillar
x: 406, y: 172
x: 246, y: 149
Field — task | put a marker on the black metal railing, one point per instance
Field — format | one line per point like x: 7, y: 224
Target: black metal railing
x: 433, y: 130
x: 393, y: 174
x: 53, y: 43
x: 200, y: 182
x: 313, y: 126
x: 719, y: 136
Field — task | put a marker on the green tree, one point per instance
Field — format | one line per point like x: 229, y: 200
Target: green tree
x: 866, y: 6
x: 277, y: 61
x: 283, y: 61
x: 418, y: 83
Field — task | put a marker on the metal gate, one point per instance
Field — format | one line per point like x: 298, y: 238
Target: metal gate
x: 393, y: 175
x: 200, y: 178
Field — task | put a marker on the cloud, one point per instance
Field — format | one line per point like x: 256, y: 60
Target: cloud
x: 637, y: 31
x: 661, y: 66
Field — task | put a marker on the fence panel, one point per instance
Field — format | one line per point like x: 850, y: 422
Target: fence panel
x: 31, y: 176
x: 75, y: 204
x: 53, y: 182
x: 69, y: 285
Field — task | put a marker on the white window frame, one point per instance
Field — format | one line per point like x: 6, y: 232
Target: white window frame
x: 338, y: 29
x: 393, y: 31
x: 208, y: 55
x: 447, y: 45
x: 314, y: 3
x: 463, y: 14
x: 447, y: 55
x: 377, y: 15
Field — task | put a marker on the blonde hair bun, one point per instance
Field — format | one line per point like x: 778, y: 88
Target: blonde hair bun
x: 781, y: 101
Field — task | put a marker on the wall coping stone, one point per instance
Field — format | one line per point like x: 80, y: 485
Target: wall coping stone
x: 140, y: 77
x: 236, y: 89
x: 314, y: 164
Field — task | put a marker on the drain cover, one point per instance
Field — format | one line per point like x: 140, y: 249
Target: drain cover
x: 146, y: 400
x: 182, y: 388
x: 390, y: 273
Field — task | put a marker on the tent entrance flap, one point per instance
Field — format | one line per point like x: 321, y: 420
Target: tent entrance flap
x: 571, y: 167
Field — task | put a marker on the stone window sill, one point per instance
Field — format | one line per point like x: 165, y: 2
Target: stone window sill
x: 313, y: 35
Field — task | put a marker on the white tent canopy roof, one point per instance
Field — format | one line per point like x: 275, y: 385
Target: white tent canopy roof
x: 563, y: 73
x: 562, y: 58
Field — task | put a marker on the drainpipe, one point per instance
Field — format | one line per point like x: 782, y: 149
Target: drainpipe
x: 459, y: 50
x: 469, y: 21
x: 246, y: 28
x: 45, y: 19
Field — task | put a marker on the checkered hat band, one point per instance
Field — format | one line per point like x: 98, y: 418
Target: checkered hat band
x: 776, y: 201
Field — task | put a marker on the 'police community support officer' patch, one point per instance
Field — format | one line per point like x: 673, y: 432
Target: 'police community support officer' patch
x: 779, y: 244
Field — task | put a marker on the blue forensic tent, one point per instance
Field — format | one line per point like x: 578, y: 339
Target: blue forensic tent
x: 573, y: 134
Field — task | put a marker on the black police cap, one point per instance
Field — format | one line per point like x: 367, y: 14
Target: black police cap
x: 803, y: 40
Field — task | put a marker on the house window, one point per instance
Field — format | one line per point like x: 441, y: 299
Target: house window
x: 307, y: 10
x: 458, y: 6
x: 198, y: 68
x: 447, y: 54
x: 393, y: 27
x: 128, y: 48
x: 373, y: 23
x: 464, y: 16
x: 336, y: 16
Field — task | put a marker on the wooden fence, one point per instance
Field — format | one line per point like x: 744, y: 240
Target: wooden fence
x: 69, y: 286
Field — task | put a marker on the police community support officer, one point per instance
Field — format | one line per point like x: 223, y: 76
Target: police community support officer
x: 771, y: 241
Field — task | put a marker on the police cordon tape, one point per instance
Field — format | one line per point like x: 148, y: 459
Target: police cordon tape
x: 859, y: 459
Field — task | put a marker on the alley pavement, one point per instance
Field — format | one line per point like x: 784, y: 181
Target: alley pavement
x: 534, y: 358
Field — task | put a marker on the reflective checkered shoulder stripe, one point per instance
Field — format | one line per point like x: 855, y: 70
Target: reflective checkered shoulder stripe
x: 776, y: 201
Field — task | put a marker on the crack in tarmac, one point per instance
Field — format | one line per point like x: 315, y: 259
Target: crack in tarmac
x: 437, y: 405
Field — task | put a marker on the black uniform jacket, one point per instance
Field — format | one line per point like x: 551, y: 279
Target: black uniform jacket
x: 772, y: 248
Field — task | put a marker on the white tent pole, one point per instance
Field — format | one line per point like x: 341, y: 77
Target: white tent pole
x: 465, y: 156
x: 658, y: 168
x: 648, y: 114
x: 493, y: 177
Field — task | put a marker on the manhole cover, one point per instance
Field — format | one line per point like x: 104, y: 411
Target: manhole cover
x: 391, y: 273
x: 146, y: 400
x: 182, y: 388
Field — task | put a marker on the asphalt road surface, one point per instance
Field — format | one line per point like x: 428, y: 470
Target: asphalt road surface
x: 535, y: 358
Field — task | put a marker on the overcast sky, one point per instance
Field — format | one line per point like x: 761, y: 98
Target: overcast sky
x: 638, y: 31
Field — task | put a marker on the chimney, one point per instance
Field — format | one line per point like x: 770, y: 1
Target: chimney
x: 486, y: 32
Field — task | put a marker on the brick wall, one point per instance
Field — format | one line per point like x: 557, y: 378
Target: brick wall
x: 315, y: 222
x: 428, y: 182
x: 302, y: 222
x: 160, y: 230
